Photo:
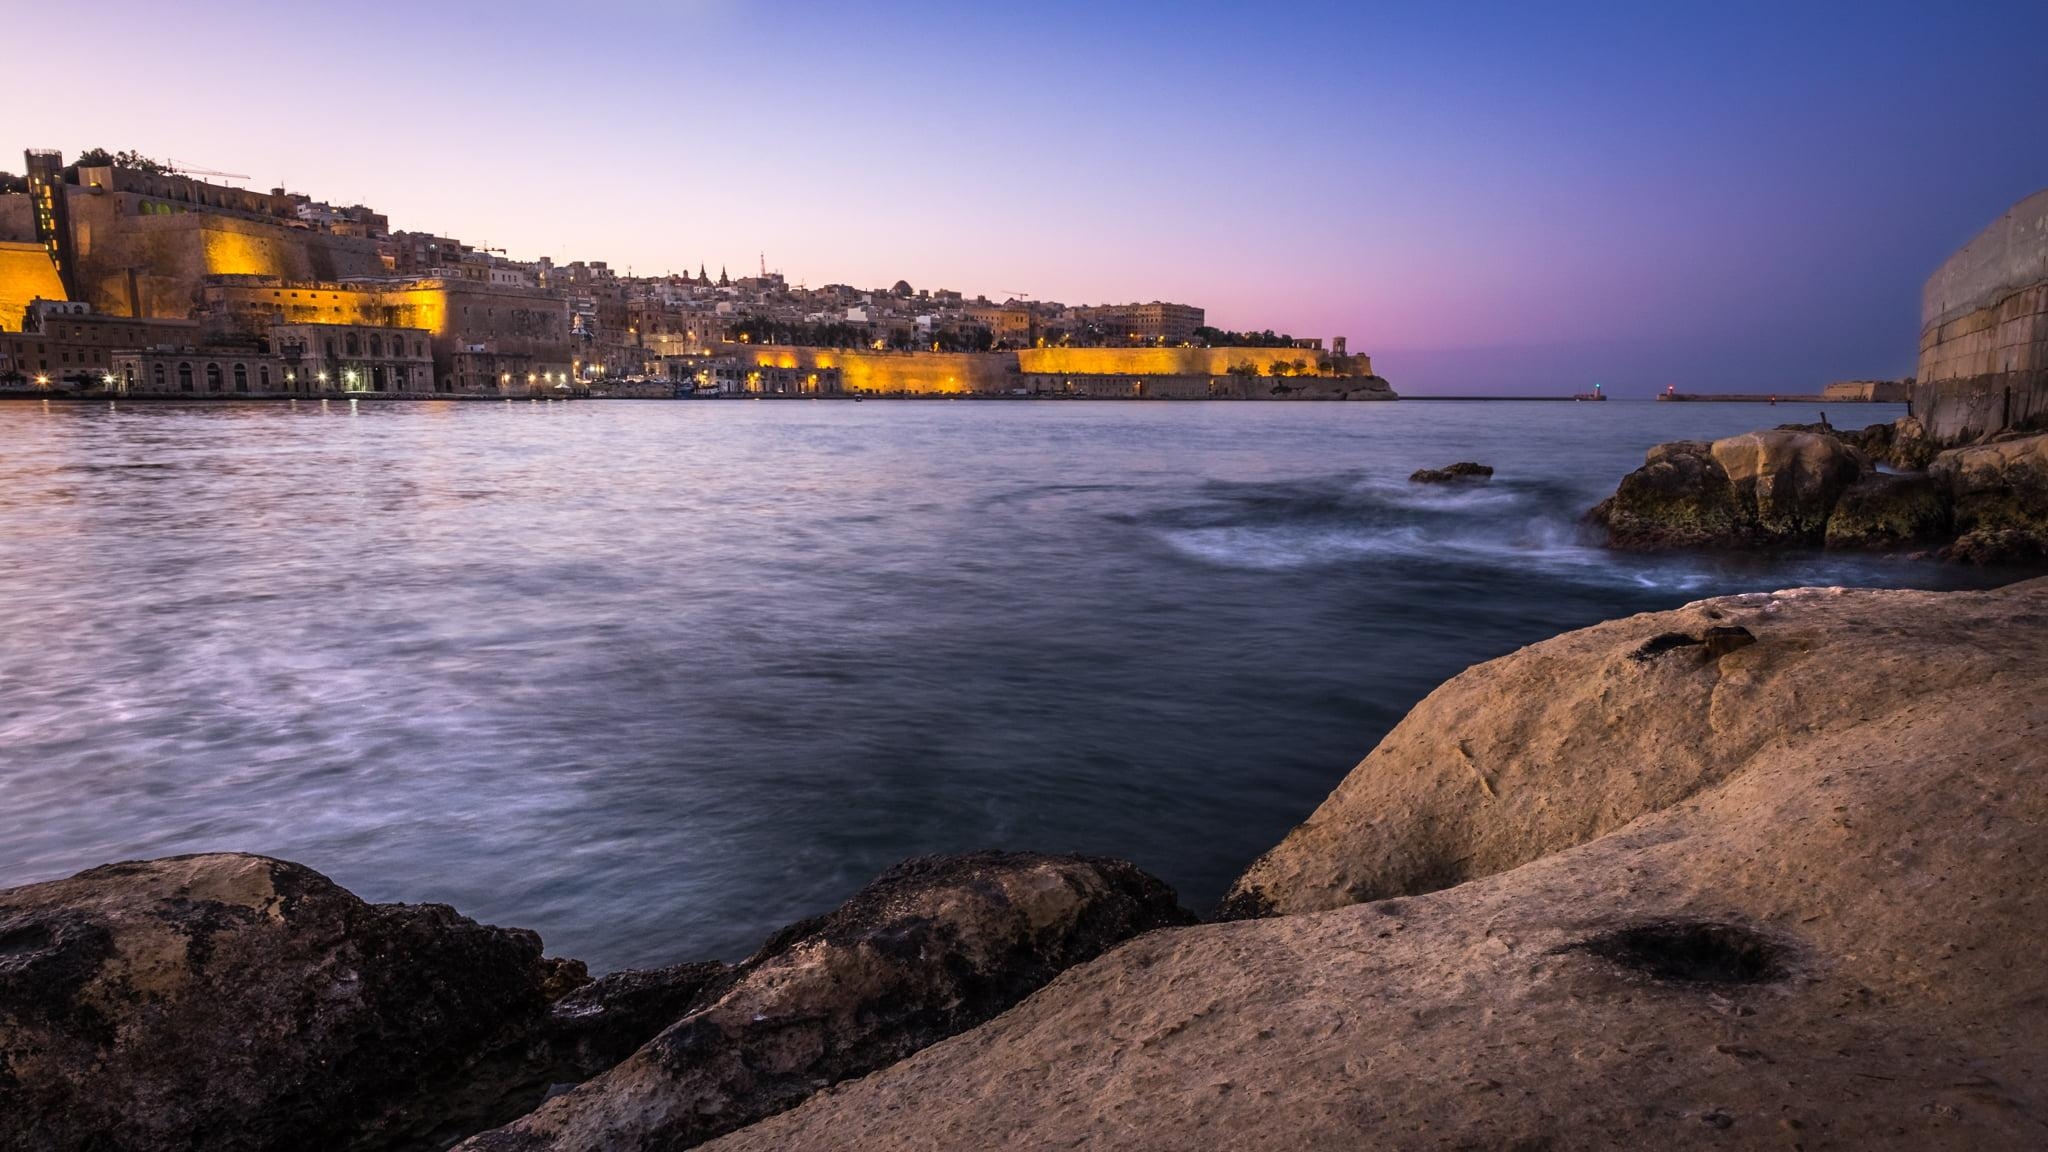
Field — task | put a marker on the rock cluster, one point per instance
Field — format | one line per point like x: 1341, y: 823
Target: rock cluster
x: 1812, y: 486
x: 243, y: 1003
x: 1464, y: 470
x: 930, y: 949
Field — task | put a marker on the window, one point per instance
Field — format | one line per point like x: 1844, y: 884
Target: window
x: 376, y: 345
x: 241, y: 377
x: 213, y: 377
x: 330, y: 347
x: 263, y: 376
x: 184, y: 377
x: 349, y: 341
x: 400, y: 375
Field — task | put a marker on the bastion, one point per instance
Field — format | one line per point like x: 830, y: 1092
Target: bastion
x: 1984, y: 332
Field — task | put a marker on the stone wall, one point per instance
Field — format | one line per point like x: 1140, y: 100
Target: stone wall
x: 17, y: 218
x: 895, y: 373
x: 142, y: 264
x: 25, y: 274
x: 1984, y: 332
x: 1168, y: 361
x: 1176, y: 373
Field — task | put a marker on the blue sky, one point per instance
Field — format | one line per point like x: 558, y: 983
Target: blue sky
x: 1488, y: 197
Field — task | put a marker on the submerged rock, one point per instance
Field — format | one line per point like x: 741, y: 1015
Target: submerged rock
x: 1464, y: 470
x: 234, y: 1002
x: 1784, y: 898
x: 930, y: 949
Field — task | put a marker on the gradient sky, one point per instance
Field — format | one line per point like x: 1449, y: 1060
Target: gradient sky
x: 1487, y: 197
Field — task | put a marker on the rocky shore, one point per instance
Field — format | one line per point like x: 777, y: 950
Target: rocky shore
x: 1885, y: 488
x: 1756, y: 872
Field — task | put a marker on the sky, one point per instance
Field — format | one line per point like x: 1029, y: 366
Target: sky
x: 1488, y: 198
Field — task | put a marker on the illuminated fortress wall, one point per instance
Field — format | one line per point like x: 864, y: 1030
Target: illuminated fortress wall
x: 955, y: 373
x: 1168, y: 361
x: 25, y: 273
x: 916, y: 373
x: 1984, y: 332
x: 132, y: 260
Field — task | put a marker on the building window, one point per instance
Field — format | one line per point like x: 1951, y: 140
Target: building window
x: 376, y: 345
x: 399, y: 374
x: 184, y: 377
x: 350, y: 342
x: 213, y: 378
x: 241, y: 377
x: 330, y: 347
x: 263, y: 376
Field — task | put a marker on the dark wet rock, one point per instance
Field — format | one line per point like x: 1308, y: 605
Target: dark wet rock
x: 234, y: 1002
x: 1714, y: 642
x: 1464, y: 471
x: 1679, y: 498
x: 1999, y: 492
x: 1883, y: 511
x: 1722, y: 639
x: 932, y: 948
x: 606, y: 1020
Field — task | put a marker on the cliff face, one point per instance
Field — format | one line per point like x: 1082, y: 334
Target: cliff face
x: 1777, y: 893
x: 1984, y: 332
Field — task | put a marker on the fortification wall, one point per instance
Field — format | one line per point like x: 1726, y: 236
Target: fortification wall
x: 1165, y: 361
x: 1984, y: 337
x: 25, y: 274
x: 169, y: 255
x: 17, y: 218
x: 911, y: 373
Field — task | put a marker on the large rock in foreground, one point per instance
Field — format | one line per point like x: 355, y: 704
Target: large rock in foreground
x: 930, y: 949
x: 234, y: 1002
x: 1781, y: 894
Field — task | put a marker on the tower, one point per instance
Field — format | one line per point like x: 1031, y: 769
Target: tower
x: 53, y: 217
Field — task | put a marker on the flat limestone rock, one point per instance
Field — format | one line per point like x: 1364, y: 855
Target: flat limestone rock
x: 1783, y: 896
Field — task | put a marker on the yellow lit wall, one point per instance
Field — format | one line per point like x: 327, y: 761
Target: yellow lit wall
x: 918, y: 373
x: 1156, y: 361
x: 25, y: 273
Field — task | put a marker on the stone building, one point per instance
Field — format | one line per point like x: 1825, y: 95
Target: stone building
x: 740, y: 376
x: 211, y: 372
x: 479, y: 333
x: 66, y: 343
x: 355, y: 358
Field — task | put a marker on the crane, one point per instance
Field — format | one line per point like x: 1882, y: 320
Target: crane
x: 179, y: 167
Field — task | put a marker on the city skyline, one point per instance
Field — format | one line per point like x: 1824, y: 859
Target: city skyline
x: 1479, y: 203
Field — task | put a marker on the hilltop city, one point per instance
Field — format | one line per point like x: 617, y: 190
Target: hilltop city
x: 124, y: 276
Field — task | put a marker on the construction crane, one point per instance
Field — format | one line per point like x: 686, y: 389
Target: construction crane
x: 179, y: 167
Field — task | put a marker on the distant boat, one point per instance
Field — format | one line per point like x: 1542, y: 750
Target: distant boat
x: 1595, y: 394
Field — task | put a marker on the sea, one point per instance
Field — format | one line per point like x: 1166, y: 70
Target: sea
x: 657, y: 678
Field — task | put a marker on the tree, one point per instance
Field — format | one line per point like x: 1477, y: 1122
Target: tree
x: 9, y: 182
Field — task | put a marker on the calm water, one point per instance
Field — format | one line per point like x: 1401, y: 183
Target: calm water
x: 658, y: 678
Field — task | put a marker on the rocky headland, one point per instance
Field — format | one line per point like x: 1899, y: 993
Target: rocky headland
x: 1884, y: 488
x: 1761, y: 871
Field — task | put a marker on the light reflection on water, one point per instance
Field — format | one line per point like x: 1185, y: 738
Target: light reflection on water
x: 658, y: 678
